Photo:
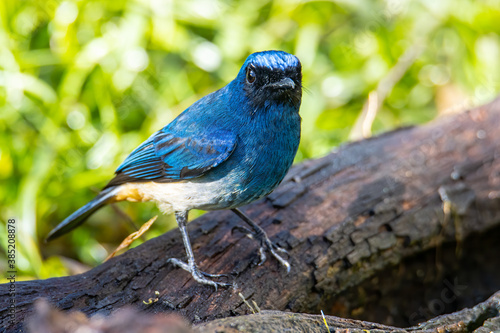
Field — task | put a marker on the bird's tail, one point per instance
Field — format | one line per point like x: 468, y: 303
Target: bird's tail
x: 79, y: 216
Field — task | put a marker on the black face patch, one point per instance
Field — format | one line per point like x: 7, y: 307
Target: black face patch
x: 266, y: 88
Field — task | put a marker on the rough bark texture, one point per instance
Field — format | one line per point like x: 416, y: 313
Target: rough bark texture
x: 345, y: 219
x: 483, y: 318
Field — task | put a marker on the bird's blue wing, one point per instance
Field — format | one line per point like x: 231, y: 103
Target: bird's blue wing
x: 168, y: 156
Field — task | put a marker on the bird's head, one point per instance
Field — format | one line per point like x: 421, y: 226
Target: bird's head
x: 272, y: 77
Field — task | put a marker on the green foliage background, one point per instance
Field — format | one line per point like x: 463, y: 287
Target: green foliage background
x: 82, y: 83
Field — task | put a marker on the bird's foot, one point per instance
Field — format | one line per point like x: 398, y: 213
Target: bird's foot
x: 265, y: 244
x: 198, y: 275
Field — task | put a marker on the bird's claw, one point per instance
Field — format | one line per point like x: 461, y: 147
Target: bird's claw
x: 249, y: 233
x: 280, y: 249
x: 266, y: 244
x: 199, y: 276
x: 260, y: 235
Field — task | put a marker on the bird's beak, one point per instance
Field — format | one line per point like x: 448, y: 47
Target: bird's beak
x: 284, y: 84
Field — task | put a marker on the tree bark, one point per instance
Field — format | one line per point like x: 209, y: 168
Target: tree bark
x: 480, y: 319
x: 344, y: 218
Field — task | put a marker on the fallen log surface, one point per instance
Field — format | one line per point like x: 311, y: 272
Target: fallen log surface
x: 365, y: 207
x: 480, y: 318
x: 129, y: 320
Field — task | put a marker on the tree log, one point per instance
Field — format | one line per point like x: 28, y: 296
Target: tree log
x: 344, y: 218
x: 481, y: 319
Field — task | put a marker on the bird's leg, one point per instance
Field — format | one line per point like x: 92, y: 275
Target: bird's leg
x: 265, y: 243
x: 190, y: 266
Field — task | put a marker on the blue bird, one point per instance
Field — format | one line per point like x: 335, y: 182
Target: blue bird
x: 226, y: 150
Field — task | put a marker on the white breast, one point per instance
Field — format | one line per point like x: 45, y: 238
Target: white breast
x: 180, y: 196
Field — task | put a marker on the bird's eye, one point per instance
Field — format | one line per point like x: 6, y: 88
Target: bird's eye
x: 251, y: 75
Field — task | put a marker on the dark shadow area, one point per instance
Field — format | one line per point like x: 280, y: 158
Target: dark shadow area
x: 435, y: 282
